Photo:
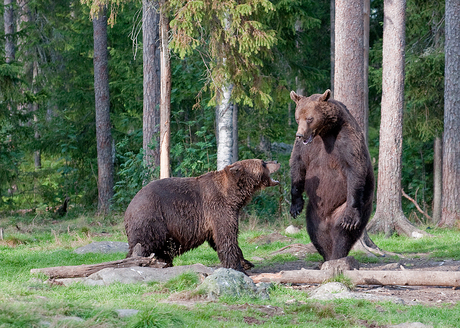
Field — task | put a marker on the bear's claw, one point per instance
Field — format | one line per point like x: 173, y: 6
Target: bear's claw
x: 296, y: 207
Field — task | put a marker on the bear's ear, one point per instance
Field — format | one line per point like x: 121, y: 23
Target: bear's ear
x: 295, y: 97
x: 235, y: 168
x: 326, y: 95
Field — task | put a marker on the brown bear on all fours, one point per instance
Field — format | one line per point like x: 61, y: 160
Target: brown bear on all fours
x: 170, y: 216
x: 331, y: 163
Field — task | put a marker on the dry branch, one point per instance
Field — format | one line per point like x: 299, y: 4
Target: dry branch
x: 85, y: 270
x: 416, y: 205
x: 365, y: 277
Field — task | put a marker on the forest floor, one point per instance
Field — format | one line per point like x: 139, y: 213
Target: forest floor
x: 424, y: 295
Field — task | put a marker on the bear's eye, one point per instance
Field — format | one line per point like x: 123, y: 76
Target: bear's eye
x: 309, y: 120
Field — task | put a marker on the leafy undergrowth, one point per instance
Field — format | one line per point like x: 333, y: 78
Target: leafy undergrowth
x: 25, y: 301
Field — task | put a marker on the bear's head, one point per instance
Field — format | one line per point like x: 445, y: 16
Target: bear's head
x: 254, y: 172
x: 314, y: 115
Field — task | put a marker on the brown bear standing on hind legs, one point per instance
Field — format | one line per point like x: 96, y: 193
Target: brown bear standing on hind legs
x: 170, y: 216
x: 331, y: 163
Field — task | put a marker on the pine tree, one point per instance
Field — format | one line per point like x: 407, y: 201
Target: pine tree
x: 451, y: 144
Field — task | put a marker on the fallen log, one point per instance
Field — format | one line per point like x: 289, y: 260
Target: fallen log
x: 85, y: 270
x: 365, y: 277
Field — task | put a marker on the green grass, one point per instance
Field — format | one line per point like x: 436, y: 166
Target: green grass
x: 25, y: 301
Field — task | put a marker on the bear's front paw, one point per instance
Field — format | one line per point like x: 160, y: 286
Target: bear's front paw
x: 351, y: 219
x: 296, y: 207
x: 246, y: 264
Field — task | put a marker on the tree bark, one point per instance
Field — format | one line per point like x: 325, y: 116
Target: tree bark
x: 389, y: 216
x: 8, y: 22
x: 349, y: 58
x: 437, y: 179
x: 235, y: 134
x: 224, y: 118
x: 451, y: 143
x: 332, y: 46
x: 364, y: 277
x: 85, y: 270
x: 102, y: 102
x: 165, y: 102
x: 366, y: 17
x: 351, y: 48
x: 151, y: 67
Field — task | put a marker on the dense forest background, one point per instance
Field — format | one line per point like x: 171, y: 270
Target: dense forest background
x: 47, y: 104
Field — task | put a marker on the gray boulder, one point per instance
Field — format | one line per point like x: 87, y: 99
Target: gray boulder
x: 142, y: 274
x: 232, y: 283
x: 103, y: 247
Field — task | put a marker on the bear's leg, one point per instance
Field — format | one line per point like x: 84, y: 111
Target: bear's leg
x: 319, y: 234
x: 229, y: 253
x: 244, y: 263
x: 343, y: 241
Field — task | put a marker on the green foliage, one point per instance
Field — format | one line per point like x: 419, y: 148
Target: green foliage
x: 231, y: 38
x: 193, y: 153
x: 132, y: 175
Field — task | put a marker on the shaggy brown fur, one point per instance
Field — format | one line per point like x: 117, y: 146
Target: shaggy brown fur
x: 331, y: 163
x: 168, y: 217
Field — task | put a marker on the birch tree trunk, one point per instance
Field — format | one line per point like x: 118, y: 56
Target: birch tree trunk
x: 389, y: 216
x: 224, y: 118
x: 8, y: 22
x: 235, y: 134
x: 102, y: 102
x: 151, y: 70
x: 451, y: 143
x: 165, y: 103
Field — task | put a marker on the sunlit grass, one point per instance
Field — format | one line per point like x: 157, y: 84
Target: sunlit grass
x: 26, y: 301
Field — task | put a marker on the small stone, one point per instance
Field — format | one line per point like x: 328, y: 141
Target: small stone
x: 291, y: 230
x: 416, y: 235
x: 343, y: 264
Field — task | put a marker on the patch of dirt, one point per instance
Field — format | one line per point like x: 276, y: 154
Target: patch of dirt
x: 425, y: 295
x: 268, y: 239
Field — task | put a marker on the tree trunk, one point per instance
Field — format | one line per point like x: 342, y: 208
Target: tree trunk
x: 165, y: 103
x: 151, y: 64
x: 364, y: 277
x: 349, y: 57
x: 366, y: 16
x: 437, y: 179
x: 351, y: 45
x: 224, y: 118
x: 332, y: 46
x: 30, y: 66
x: 102, y: 102
x: 85, y: 270
x: 8, y: 21
x: 235, y: 134
x: 389, y: 216
x: 451, y: 143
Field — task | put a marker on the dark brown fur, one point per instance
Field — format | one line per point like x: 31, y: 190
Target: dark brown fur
x: 168, y: 217
x: 331, y: 163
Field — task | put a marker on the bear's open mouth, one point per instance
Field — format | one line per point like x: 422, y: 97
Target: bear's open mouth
x: 308, y: 140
